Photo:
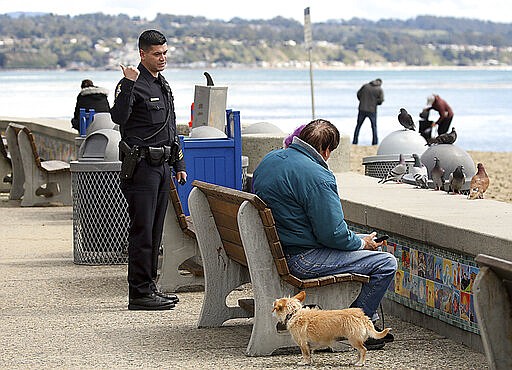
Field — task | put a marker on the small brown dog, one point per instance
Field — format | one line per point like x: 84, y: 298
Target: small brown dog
x: 320, y: 328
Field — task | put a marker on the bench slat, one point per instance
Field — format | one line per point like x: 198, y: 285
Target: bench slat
x: 231, y: 236
x: 282, y: 266
x: 224, y: 220
x: 235, y: 252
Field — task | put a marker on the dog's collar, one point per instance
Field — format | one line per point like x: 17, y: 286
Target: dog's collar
x: 290, y: 315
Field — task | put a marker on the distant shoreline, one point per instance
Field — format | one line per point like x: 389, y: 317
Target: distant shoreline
x: 291, y: 68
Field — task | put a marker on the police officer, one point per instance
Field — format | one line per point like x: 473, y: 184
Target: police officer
x: 144, y: 110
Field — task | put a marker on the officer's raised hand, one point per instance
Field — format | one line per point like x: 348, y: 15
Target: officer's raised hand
x: 130, y: 72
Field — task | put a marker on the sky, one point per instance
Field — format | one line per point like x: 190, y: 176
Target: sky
x: 321, y: 10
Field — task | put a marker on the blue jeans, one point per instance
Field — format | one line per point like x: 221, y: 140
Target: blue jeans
x: 379, y: 266
x: 360, y: 119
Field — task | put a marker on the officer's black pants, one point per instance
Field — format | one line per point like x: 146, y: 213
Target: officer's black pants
x: 147, y: 196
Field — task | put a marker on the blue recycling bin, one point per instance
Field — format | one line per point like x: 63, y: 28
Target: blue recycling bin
x: 217, y: 161
x: 86, y: 117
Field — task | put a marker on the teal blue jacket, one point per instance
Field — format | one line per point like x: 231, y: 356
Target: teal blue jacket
x: 301, y: 191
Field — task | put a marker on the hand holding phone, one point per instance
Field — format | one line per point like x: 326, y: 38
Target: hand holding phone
x: 381, y: 238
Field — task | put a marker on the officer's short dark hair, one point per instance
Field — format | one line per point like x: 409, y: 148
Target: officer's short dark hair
x: 149, y: 38
x: 321, y: 134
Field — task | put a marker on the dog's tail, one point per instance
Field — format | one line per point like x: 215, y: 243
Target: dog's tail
x: 376, y: 334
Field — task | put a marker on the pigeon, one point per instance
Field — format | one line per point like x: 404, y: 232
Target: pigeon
x: 447, y: 138
x: 437, y: 175
x: 479, y: 183
x: 456, y: 180
x: 419, y: 172
x: 405, y: 120
x: 396, y: 173
x: 209, y: 79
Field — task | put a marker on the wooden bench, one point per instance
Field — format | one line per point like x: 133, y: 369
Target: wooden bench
x: 493, y: 307
x: 239, y: 243
x: 18, y: 175
x: 181, y: 263
x: 45, y: 181
x: 5, y: 167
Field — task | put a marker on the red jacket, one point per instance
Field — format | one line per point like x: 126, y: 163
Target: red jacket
x: 441, y: 106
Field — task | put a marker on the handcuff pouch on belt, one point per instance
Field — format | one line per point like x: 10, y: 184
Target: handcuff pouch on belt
x: 156, y: 156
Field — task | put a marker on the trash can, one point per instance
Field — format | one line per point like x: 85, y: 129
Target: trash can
x: 100, y: 211
x: 217, y: 160
x: 405, y: 142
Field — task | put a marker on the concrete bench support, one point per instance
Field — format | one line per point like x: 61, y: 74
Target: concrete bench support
x: 181, y: 265
x: 493, y: 298
x: 18, y: 175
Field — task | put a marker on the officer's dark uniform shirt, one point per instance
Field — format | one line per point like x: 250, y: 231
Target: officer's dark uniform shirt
x: 141, y: 107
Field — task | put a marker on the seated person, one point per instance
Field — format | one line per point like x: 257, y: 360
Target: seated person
x: 90, y: 97
x: 301, y: 191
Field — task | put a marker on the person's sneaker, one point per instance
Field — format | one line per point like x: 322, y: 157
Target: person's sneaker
x: 374, y: 344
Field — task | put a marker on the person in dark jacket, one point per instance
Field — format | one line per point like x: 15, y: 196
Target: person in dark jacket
x: 302, y: 193
x: 144, y: 110
x: 369, y: 95
x: 90, y: 96
x: 438, y: 104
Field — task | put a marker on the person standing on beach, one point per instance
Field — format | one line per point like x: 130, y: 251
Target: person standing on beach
x: 90, y: 97
x: 369, y: 95
x: 144, y: 110
x: 438, y: 104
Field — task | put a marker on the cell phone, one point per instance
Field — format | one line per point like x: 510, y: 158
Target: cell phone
x: 381, y: 238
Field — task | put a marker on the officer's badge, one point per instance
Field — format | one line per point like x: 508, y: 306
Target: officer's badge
x: 118, y: 90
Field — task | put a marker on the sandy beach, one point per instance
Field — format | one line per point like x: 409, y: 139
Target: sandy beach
x: 497, y: 165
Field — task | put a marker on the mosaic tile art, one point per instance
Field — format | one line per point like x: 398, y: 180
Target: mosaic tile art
x: 431, y: 280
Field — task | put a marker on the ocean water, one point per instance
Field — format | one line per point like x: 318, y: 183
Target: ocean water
x: 481, y: 98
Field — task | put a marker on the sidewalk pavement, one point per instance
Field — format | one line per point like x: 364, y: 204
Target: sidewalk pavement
x: 55, y: 314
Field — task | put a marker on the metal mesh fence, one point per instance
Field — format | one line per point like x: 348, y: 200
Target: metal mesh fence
x: 100, y: 219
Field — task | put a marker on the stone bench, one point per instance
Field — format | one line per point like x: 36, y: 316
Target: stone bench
x: 493, y: 304
x: 44, y: 181
x: 5, y: 167
x: 18, y: 175
x: 181, y: 263
x: 239, y: 244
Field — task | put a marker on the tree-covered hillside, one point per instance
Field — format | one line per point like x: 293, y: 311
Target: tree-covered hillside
x: 102, y: 41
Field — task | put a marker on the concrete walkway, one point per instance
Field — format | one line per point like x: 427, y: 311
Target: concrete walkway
x: 55, y: 314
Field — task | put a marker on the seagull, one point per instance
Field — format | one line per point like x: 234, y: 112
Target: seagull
x: 405, y: 120
x: 419, y: 172
x: 479, y: 183
x: 447, y: 138
x: 437, y: 175
x: 456, y: 180
x: 396, y: 173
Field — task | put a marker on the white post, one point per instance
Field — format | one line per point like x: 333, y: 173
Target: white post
x: 309, y: 46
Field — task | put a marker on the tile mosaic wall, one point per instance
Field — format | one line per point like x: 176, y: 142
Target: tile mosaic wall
x: 431, y: 280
